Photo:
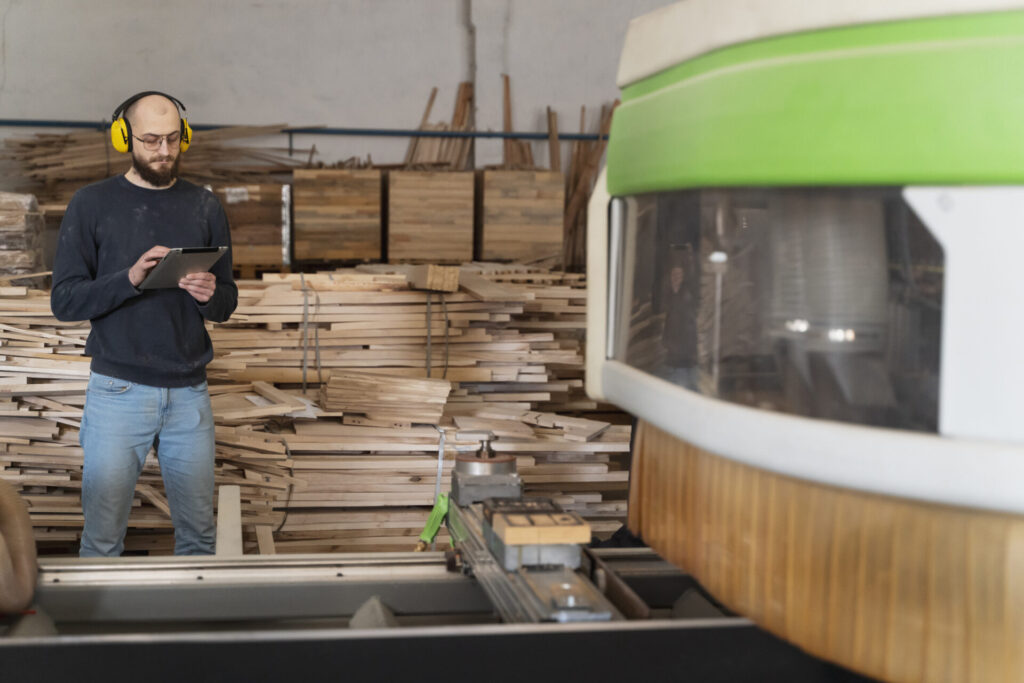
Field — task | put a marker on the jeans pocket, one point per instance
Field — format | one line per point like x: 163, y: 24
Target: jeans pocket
x: 108, y: 385
x: 200, y: 388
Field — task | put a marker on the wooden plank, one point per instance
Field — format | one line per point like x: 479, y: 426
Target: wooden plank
x: 229, y: 521
x: 554, y: 146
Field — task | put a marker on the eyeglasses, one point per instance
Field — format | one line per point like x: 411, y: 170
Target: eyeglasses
x: 152, y: 142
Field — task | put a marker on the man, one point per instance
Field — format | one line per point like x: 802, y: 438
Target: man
x: 679, y: 335
x: 149, y: 348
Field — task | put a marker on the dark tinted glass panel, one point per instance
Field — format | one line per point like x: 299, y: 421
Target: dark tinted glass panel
x: 817, y: 302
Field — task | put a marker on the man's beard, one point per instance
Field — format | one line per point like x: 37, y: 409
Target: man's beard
x: 154, y: 177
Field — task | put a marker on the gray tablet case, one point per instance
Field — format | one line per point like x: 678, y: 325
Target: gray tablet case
x: 180, y: 262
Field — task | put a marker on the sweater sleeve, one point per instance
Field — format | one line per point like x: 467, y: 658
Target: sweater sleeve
x: 225, y: 296
x: 78, y: 294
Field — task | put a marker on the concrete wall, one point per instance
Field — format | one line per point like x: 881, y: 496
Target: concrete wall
x: 353, y: 63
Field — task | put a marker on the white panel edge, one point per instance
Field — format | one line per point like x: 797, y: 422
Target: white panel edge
x: 903, y: 464
x: 685, y: 30
x: 597, y: 285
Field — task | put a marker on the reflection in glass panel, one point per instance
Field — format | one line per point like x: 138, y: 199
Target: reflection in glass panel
x: 821, y: 302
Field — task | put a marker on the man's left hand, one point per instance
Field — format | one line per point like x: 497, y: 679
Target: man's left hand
x: 200, y: 285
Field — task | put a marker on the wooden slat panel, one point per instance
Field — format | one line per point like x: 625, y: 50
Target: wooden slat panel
x: 896, y: 589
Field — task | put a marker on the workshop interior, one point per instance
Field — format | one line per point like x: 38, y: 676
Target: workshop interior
x: 714, y: 383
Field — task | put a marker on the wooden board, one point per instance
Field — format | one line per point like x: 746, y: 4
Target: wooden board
x: 337, y: 214
x: 539, y: 528
x: 430, y: 216
x: 522, y: 215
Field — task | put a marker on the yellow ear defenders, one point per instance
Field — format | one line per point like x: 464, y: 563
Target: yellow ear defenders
x: 121, y: 129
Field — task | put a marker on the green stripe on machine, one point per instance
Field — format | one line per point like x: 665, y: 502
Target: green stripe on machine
x: 930, y: 101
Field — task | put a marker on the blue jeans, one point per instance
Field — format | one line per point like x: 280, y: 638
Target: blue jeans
x: 120, y: 422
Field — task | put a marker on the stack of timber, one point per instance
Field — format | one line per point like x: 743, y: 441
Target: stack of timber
x: 58, y: 164
x: 450, y: 153
x: 584, y: 166
x: 521, y: 215
x: 516, y: 154
x: 381, y: 398
x: 337, y: 214
x: 256, y: 214
x: 430, y: 216
x: 329, y: 480
x: 21, y: 234
x: 43, y: 377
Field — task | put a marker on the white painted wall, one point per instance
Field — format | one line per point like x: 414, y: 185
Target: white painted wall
x: 352, y: 63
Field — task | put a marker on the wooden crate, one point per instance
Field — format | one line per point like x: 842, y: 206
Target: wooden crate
x: 521, y: 215
x: 337, y: 214
x: 256, y: 214
x: 430, y: 216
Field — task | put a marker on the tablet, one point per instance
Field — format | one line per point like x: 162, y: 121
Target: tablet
x: 180, y: 262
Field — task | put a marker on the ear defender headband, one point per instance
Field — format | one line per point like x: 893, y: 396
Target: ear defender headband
x: 121, y: 129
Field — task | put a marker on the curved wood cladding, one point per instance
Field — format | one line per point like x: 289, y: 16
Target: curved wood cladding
x: 895, y: 589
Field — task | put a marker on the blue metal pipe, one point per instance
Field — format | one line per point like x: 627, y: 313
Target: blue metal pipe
x: 364, y: 132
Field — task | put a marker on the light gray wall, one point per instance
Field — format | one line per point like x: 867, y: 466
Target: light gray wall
x: 353, y: 63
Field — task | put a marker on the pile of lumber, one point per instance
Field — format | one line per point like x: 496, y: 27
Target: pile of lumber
x: 521, y: 215
x: 444, y: 153
x: 516, y: 154
x: 43, y: 377
x: 21, y: 234
x: 58, y: 164
x: 259, y: 219
x: 430, y: 216
x: 584, y: 165
x: 337, y: 214
x: 315, y: 477
x: 383, y: 399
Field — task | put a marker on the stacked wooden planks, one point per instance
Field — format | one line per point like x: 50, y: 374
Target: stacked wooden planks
x: 521, y: 215
x: 444, y: 153
x: 383, y: 398
x: 21, y: 234
x: 315, y: 479
x: 584, y: 166
x: 430, y: 216
x: 43, y: 377
x: 337, y: 214
x: 60, y: 163
x: 256, y: 214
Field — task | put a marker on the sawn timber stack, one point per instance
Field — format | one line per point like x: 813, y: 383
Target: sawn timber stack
x: 327, y: 482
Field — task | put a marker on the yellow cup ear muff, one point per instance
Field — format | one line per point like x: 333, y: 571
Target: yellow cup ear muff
x: 121, y: 130
x: 186, y: 135
x: 120, y: 136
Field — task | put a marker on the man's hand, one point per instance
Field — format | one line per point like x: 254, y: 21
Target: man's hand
x: 200, y: 285
x: 137, y: 273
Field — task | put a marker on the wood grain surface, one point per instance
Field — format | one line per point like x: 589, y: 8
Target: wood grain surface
x: 893, y: 588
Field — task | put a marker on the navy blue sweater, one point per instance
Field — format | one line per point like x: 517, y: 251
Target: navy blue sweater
x: 154, y: 337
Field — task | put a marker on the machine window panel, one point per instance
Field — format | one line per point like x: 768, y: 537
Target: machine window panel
x: 819, y: 302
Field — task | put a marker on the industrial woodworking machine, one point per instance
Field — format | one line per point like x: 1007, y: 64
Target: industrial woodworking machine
x: 517, y: 594
x: 804, y: 281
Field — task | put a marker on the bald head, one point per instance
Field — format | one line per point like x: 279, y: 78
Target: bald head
x: 153, y: 110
